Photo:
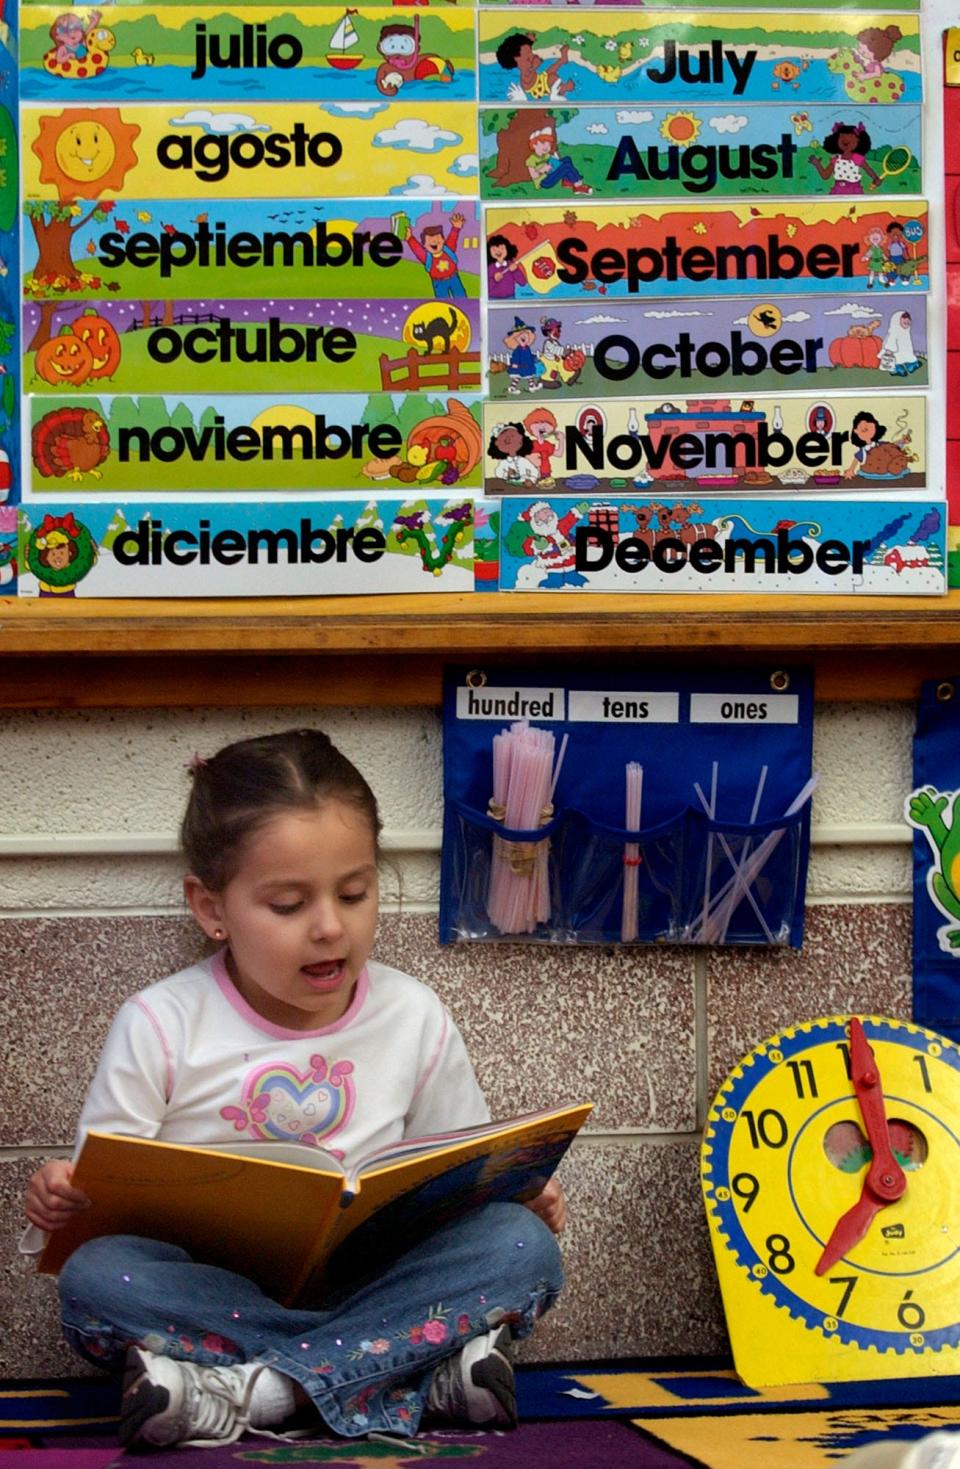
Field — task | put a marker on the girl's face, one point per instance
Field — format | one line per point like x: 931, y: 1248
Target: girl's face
x: 867, y: 430
x: 847, y: 142
x: 509, y: 440
x: 498, y: 253
x: 300, y: 914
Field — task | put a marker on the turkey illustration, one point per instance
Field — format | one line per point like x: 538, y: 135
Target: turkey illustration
x: 71, y: 442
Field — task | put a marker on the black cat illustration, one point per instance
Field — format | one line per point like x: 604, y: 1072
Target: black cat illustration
x: 435, y: 328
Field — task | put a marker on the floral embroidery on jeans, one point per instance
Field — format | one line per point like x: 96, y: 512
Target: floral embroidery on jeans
x: 433, y: 1330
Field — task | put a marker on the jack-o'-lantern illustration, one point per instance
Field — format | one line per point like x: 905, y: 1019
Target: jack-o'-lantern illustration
x: 100, y: 337
x: 64, y: 359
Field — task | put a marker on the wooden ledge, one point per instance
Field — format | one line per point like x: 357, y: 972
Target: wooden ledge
x: 391, y: 649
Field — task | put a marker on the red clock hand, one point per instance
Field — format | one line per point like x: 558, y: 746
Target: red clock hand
x: 850, y: 1229
x: 885, y: 1181
x: 885, y: 1176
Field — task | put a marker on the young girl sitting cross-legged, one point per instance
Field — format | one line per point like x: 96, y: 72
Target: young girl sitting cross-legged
x: 281, y: 841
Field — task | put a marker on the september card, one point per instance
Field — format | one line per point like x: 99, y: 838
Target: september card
x: 709, y: 250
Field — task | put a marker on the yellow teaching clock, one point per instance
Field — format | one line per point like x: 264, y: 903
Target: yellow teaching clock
x: 831, y: 1176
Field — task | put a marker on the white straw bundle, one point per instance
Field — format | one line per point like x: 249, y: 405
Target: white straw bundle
x: 524, y: 779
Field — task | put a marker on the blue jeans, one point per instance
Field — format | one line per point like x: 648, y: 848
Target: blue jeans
x: 365, y: 1358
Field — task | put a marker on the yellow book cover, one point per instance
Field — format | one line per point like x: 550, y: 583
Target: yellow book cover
x: 276, y: 1212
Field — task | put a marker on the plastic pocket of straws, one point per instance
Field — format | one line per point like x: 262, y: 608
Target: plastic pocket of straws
x: 503, y: 883
x: 622, y: 886
x: 743, y: 883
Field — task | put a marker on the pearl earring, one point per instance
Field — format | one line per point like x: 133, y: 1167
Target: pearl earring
x: 218, y: 933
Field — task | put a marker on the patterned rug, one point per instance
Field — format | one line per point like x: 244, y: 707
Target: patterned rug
x: 666, y: 1415
x: 583, y: 1445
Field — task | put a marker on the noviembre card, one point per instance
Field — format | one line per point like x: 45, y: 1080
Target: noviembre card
x: 245, y: 441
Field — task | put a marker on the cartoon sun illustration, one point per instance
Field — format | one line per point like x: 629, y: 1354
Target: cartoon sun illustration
x: 681, y: 128
x: 85, y: 152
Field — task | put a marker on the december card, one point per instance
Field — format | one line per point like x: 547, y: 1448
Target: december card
x: 870, y: 342
x: 840, y: 545
x: 136, y: 54
x: 385, y: 543
x: 617, y: 250
x: 683, y: 57
x: 697, y: 152
x: 715, y: 444
x: 162, y: 445
x: 175, y: 250
x: 263, y: 346
x: 249, y: 150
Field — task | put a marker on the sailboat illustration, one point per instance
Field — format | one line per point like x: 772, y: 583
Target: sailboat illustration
x: 343, y: 38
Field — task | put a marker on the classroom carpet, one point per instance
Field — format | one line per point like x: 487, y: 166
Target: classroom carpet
x: 650, y: 1415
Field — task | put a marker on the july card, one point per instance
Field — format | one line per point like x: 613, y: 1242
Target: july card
x: 683, y: 57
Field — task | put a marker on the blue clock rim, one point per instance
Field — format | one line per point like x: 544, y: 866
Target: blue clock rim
x: 735, y: 1090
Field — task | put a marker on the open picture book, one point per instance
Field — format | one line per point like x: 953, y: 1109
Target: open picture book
x: 277, y: 1211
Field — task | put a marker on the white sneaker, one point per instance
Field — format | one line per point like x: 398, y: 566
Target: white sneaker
x: 166, y: 1401
x: 476, y: 1385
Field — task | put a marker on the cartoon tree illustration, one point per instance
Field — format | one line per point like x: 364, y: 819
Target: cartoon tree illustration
x: 513, y: 129
x: 103, y: 148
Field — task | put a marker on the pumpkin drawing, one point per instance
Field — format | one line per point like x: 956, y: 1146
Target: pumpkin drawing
x: 855, y: 351
x: 101, y: 338
x: 64, y: 359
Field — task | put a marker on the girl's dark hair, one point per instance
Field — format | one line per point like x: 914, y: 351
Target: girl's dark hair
x: 855, y: 438
x: 501, y: 240
x: 494, y: 450
x: 832, y: 141
x: 247, y: 783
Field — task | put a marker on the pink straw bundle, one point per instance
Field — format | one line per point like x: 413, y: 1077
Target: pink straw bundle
x: 524, y: 780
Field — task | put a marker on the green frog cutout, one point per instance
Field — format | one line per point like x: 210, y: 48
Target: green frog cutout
x: 925, y: 811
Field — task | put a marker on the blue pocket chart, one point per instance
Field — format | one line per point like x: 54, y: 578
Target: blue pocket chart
x: 625, y: 806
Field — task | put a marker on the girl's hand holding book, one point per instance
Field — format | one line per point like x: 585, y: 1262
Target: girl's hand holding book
x: 51, y: 1197
x: 550, y: 1206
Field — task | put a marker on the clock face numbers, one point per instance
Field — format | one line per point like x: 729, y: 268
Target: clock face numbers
x: 786, y: 1156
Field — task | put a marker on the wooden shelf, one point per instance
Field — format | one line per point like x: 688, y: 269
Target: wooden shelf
x: 391, y: 649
